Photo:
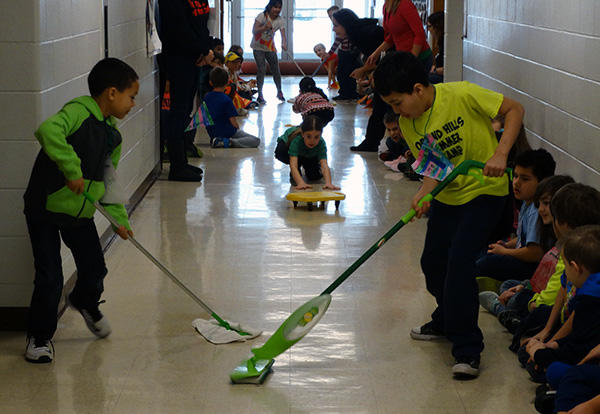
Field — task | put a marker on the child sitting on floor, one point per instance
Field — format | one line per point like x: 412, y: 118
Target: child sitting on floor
x: 520, y: 256
x: 581, y: 254
x: 331, y: 62
x: 393, y: 149
x: 516, y: 295
x: 313, y: 101
x: 238, y: 92
x: 246, y: 88
x: 304, y: 147
x: 225, y: 130
x: 573, y: 206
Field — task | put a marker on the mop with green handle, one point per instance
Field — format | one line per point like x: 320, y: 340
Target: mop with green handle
x: 212, y: 332
x: 303, y: 319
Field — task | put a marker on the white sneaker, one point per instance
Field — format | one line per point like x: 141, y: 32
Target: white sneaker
x: 94, y: 319
x: 466, y: 368
x: 39, y: 351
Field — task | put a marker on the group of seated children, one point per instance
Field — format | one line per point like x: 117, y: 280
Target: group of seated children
x: 549, y: 284
x: 223, y: 96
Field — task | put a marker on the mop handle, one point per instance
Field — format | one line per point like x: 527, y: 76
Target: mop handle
x: 464, y: 168
x: 146, y: 253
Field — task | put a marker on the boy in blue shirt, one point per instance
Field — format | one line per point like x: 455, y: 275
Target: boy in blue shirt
x: 519, y: 257
x: 225, y: 130
x: 77, y: 144
x: 462, y: 217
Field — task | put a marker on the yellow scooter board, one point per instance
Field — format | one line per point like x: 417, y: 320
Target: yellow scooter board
x: 310, y: 197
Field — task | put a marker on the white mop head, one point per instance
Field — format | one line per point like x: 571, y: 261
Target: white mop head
x: 217, y: 334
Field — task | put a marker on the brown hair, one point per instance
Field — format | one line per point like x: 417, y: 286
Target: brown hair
x: 582, y: 245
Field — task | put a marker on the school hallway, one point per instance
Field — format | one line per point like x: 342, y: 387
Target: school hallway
x: 236, y: 242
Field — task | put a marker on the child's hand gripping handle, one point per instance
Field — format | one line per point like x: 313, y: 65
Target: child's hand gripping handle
x: 468, y: 167
x: 101, y: 209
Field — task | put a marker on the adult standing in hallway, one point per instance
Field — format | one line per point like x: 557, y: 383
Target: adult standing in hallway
x: 404, y: 32
x: 185, y: 44
x: 366, y: 35
x: 263, y: 46
x: 348, y: 57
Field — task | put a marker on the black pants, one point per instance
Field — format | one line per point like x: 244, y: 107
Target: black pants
x: 375, y: 126
x: 347, y: 62
x: 312, y: 167
x: 455, y: 236
x: 325, y: 115
x: 82, y: 239
x: 183, y: 78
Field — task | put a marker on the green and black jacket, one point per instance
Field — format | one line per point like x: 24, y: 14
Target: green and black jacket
x: 76, y: 142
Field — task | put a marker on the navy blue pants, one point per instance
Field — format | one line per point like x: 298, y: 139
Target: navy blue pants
x: 503, y: 268
x: 82, y: 239
x: 455, y: 236
x: 579, y: 384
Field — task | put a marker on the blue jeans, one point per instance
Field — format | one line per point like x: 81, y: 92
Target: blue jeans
x: 82, y: 239
x: 455, y: 236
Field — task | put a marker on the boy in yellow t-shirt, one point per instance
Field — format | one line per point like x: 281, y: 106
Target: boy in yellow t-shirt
x: 462, y: 217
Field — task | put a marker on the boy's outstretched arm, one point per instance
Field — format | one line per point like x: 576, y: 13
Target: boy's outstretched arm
x: 513, y: 118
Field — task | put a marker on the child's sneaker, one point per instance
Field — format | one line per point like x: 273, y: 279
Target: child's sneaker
x: 510, y: 320
x: 39, y: 351
x: 95, y: 321
x: 217, y: 143
x: 489, y: 301
x: 466, y: 368
x: 426, y: 332
x: 261, y: 100
x: 280, y: 96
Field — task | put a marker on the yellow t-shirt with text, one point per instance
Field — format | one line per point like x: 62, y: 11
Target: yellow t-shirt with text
x: 460, y: 121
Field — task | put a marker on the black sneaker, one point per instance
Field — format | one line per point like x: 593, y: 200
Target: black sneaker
x: 510, y: 320
x: 537, y: 374
x: 426, y: 332
x: 194, y: 169
x: 466, y: 368
x: 185, y: 174
x: 364, y: 147
x: 544, y: 401
x: 94, y: 320
x: 39, y: 351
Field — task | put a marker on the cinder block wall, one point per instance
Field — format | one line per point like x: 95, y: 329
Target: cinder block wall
x: 47, y: 49
x: 545, y: 54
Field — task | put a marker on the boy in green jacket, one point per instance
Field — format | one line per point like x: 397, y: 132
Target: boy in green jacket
x: 78, y: 144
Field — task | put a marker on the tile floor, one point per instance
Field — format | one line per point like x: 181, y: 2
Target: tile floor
x: 237, y: 243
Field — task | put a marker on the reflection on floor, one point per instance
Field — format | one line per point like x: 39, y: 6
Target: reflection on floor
x: 236, y: 242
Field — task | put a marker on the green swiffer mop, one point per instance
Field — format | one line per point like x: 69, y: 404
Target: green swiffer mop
x: 166, y: 271
x: 295, y: 327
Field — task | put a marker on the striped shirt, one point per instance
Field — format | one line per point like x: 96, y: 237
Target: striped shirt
x: 343, y: 43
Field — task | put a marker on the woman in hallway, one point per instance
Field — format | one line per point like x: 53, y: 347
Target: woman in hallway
x: 366, y: 35
x: 263, y: 46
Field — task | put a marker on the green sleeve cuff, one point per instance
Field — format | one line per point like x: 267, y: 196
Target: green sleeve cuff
x: 119, y: 213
